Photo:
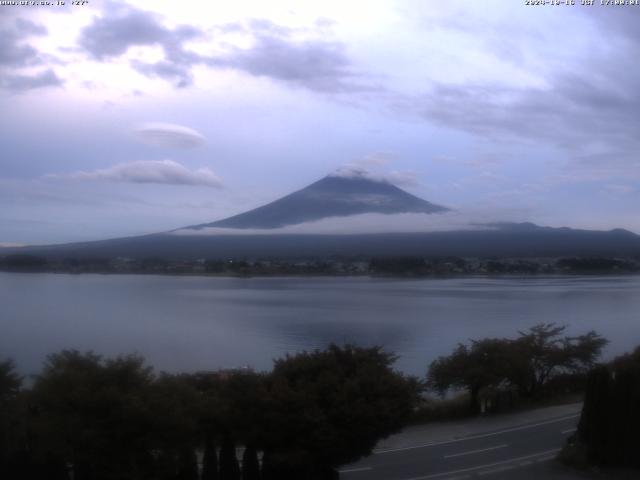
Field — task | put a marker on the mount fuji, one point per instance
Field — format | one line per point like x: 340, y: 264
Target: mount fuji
x: 350, y: 214
x: 333, y: 196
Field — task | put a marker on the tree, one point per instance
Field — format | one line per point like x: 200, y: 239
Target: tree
x: 233, y: 404
x: 483, y: 364
x: 595, y: 421
x: 542, y: 352
x: 25, y: 262
x: 229, y: 467
x: 115, y: 419
x: 250, y: 464
x: 610, y: 419
x: 526, y: 363
x: 10, y: 428
x: 10, y: 381
x: 209, y: 459
x: 398, y: 265
x: 94, y: 413
x: 175, y: 404
x: 327, y: 408
x: 187, y: 464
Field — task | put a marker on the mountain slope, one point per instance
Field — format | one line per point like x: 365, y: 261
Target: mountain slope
x: 333, y: 196
x: 505, y: 240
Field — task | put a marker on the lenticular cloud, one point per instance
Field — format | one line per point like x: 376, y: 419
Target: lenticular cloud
x: 168, y: 135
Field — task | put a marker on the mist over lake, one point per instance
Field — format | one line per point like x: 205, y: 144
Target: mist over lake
x: 205, y: 323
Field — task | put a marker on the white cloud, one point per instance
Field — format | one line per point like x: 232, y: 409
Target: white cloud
x: 377, y: 159
x: 399, y: 178
x: 356, y: 224
x: 403, y: 178
x: 168, y: 135
x: 152, y: 171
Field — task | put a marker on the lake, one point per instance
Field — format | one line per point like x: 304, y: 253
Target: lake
x: 206, y: 323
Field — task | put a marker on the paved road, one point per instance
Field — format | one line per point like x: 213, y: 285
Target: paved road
x: 490, y: 453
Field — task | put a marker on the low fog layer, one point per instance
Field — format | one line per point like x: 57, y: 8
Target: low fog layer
x: 355, y: 224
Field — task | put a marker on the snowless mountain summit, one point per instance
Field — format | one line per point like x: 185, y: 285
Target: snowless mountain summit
x: 336, y: 195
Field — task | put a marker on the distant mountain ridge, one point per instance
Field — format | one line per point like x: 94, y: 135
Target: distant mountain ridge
x: 513, y: 240
x: 332, y: 196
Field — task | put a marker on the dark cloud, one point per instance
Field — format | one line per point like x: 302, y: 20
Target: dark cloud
x: 314, y: 64
x: 264, y: 26
x: 231, y: 27
x: 615, y: 22
x: 14, y: 52
x: 573, y: 114
x: 15, y: 55
x: 297, y: 57
x: 21, y: 83
x: 178, y: 74
x: 112, y: 34
x: 280, y: 54
x: 27, y: 27
x: 589, y: 107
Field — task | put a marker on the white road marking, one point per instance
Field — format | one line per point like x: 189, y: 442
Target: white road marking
x: 496, y: 470
x: 569, y: 430
x: 473, y: 437
x: 471, y: 452
x: 352, y: 470
x: 489, y: 465
x: 545, y: 459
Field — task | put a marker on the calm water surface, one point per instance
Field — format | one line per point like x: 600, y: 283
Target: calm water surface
x: 194, y: 323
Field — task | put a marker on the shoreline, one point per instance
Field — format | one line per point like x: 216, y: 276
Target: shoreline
x: 440, y: 276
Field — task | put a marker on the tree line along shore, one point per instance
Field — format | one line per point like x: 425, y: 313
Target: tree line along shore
x: 87, y: 417
x: 334, y: 266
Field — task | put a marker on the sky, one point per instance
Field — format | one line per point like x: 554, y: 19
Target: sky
x: 125, y: 118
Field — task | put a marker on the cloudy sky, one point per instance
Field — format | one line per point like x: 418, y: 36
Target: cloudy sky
x: 122, y: 118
